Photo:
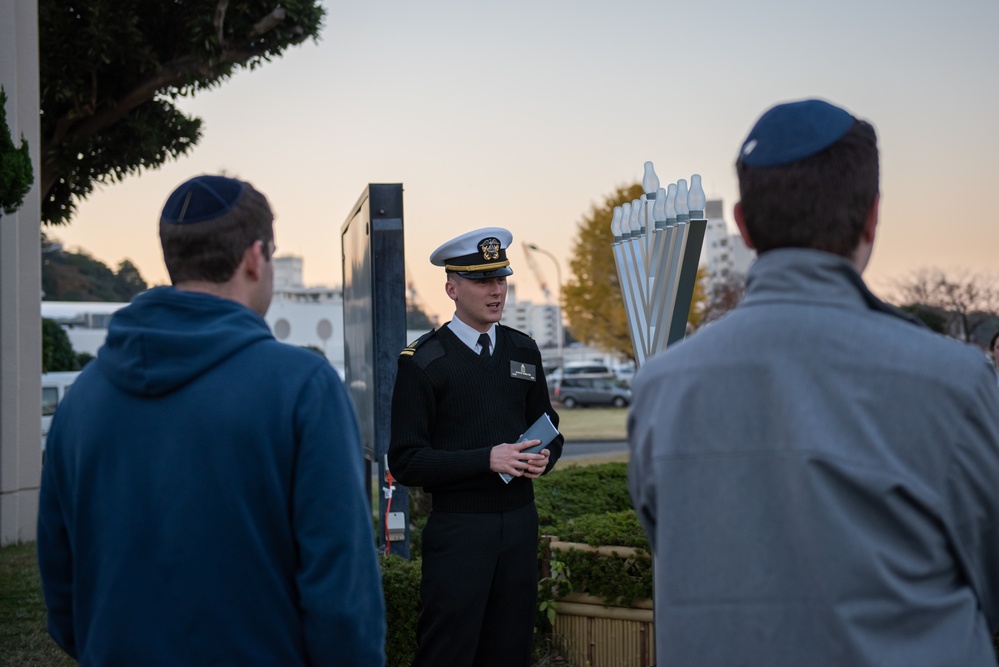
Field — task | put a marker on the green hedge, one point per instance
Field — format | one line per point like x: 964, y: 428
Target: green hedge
x: 619, y: 581
x: 591, y: 505
x: 620, y: 529
x: 401, y: 583
x: 577, y: 504
x: 574, y: 491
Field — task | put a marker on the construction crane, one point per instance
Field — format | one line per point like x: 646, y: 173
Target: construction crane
x: 529, y: 250
x: 529, y: 254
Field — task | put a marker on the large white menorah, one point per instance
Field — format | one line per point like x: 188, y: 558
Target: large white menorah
x: 657, y: 247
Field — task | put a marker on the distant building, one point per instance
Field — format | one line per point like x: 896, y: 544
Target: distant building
x: 540, y: 321
x: 85, y: 322
x: 299, y: 315
x: 306, y: 316
x: 724, y: 253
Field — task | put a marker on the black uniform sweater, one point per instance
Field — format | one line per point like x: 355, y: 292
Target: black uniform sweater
x: 450, y: 408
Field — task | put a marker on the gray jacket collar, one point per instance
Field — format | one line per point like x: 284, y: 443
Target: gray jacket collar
x: 812, y: 276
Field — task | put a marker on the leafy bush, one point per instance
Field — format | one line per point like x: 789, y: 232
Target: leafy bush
x: 574, y: 491
x: 591, y: 505
x: 621, y: 529
x: 619, y: 581
x: 401, y: 584
x: 578, y: 504
x: 16, y: 174
x: 57, y: 351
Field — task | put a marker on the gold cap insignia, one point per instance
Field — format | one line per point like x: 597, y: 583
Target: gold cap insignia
x: 490, y: 248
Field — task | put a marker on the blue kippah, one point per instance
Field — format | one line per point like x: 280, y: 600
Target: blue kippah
x: 793, y: 131
x: 201, y: 198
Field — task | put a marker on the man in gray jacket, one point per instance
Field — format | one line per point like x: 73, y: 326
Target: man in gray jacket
x: 818, y: 475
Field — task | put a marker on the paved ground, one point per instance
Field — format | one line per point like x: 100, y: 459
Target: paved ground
x: 586, y: 448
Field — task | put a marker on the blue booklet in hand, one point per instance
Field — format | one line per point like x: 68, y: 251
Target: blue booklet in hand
x: 542, y: 430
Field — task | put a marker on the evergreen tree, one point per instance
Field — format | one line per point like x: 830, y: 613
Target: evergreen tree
x: 57, y: 351
x: 129, y: 281
x: 76, y: 276
x: 416, y: 319
x: 16, y: 174
x: 111, y: 72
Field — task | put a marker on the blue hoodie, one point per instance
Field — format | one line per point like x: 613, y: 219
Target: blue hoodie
x: 203, y: 501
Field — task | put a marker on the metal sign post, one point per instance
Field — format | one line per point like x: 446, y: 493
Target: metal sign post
x: 374, y: 319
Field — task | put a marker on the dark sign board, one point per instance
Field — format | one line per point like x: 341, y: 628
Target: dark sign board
x: 374, y: 308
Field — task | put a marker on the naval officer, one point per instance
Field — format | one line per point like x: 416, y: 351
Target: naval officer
x: 463, y: 396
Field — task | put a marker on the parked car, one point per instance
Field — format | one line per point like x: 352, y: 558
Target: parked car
x: 584, y: 390
x: 585, y: 367
x: 624, y: 374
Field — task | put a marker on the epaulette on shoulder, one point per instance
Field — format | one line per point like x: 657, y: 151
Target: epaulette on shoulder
x: 410, y: 349
x: 520, y: 338
x: 424, y: 349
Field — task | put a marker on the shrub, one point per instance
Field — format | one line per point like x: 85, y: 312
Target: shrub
x: 574, y: 491
x: 57, y: 351
x: 16, y: 173
x: 591, y: 505
x: 401, y: 584
x: 578, y: 504
x: 621, y: 529
x: 619, y: 581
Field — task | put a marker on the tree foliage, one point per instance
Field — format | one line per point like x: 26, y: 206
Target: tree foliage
x: 966, y: 301
x: 416, y: 319
x: 57, y: 351
x: 591, y: 298
x: 76, y: 276
x: 111, y: 72
x: 934, y: 318
x: 16, y: 174
x: 699, y: 299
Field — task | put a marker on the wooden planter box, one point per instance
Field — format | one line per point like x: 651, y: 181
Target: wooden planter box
x: 598, y: 635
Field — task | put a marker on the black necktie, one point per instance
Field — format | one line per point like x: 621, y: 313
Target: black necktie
x: 484, y: 342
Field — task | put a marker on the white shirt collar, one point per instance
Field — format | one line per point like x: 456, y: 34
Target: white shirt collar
x: 470, y: 336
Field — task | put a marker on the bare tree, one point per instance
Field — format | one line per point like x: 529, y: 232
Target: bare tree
x: 966, y: 300
x: 722, y: 294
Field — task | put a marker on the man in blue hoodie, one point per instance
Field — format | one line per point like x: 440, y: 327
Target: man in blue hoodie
x: 202, y: 498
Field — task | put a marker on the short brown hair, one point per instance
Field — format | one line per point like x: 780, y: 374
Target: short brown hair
x: 819, y: 202
x: 211, y: 250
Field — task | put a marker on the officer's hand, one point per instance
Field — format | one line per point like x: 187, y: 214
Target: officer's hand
x: 537, y: 468
x: 511, y: 459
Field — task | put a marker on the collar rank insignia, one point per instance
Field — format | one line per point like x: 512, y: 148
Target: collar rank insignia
x: 490, y: 248
x: 522, y: 371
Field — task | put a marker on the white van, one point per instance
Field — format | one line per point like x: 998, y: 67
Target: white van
x: 588, y: 367
x: 54, y: 388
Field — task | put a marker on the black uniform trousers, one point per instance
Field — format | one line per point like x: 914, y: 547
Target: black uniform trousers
x: 479, y: 590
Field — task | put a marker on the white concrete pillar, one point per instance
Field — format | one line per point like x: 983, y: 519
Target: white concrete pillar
x: 20, y: 287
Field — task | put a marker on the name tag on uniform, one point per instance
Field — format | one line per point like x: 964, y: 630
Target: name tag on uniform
x: 522, y: 371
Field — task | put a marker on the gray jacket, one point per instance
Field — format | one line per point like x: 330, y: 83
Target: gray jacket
x: 820, y: 482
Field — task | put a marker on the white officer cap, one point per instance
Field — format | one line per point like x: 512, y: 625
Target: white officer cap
x: 477, y: 254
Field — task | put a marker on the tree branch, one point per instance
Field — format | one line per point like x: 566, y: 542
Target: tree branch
x: 219, y: 20
x: 269, y: 22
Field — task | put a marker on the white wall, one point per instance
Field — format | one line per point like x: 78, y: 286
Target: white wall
x: 20, y: 286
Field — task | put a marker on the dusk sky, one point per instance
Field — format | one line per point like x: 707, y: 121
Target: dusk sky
x: 523, y: 114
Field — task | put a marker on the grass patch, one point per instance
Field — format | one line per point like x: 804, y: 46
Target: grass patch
x: 593, y: 423
x: 24, y: 641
